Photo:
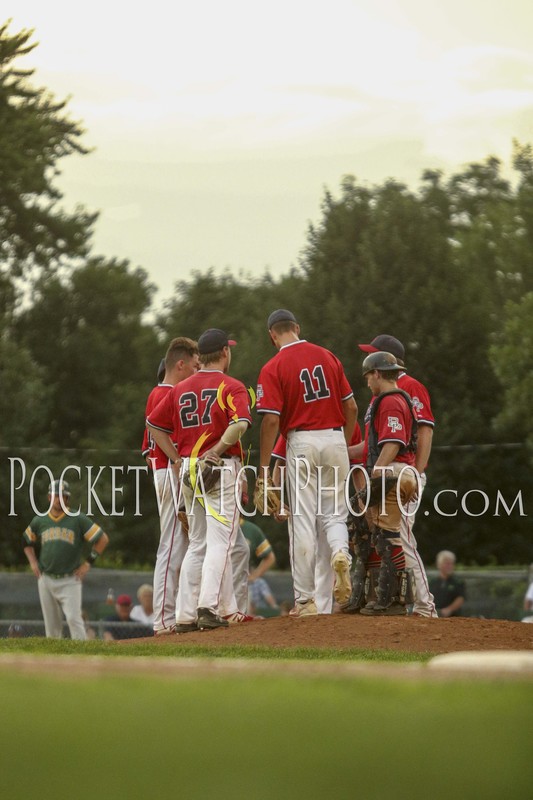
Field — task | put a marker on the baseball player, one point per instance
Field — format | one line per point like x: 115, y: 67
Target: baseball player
x: 207, y: 414
x: 181, y: 361
x: 324, y: 574
x: 303, y: 393
x: 424, y: 604
x: 60, y: 567
x: 390, y: 445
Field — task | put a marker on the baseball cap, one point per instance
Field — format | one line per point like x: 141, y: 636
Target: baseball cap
x: 213, y: 339
x: 161, y: 371
x: 386, y: 343
x: 281, y: 315
x: 59, y: 487
x: 123, y: 600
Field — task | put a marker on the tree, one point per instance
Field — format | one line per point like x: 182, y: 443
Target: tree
x: 35, y: 133
x: 99, y: 355
x: 512, y: 358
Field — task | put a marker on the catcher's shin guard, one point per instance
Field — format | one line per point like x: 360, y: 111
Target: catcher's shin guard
x: 388, y: 588
x: 407, y: 590
x: 361, y: 545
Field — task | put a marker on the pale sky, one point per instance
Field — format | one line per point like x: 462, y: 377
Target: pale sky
x: 216, y: 125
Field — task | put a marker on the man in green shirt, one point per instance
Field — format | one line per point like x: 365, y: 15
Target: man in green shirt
x: 262, y: 558
x: 60, y: 568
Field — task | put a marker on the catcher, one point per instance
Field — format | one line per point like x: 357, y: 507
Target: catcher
x: 208, y: 413
x: 389, y: 447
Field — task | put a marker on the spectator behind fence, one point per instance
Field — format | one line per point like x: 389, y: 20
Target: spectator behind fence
x: 15, y: 631
x: 144, y: 612
x: 60, y: 567
x: 449, y: 591
x: 117, y: 626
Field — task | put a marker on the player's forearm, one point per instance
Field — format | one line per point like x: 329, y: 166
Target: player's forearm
x: 29, y: 552
x: 387, y: 454
x: 350, y: 414
x: 355, y: 451
x: 164, y: 441
x: 425, y: 439
x: 267, y: 438
x: 263, y: 566
x: 231, y: 436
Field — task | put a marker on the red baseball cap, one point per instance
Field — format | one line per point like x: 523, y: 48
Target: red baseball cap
x: 385, y: 343
x: 123, y: 600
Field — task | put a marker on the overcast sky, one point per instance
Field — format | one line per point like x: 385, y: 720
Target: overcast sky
x: 216, y: 125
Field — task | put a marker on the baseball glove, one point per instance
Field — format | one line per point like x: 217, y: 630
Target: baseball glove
x: 184, y: 521
x: 266, y: 498
x: 207, y: 472
x: 378, y: 490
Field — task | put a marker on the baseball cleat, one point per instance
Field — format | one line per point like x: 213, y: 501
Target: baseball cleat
x: 185, y: 627
x: 343, y: 584
x: 165, y: 631
x: 237, y: 617
x: 208, y: 620
x: 307, y: 609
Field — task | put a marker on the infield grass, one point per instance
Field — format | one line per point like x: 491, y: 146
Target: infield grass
x: 227, y: 738
x: 44, y: 646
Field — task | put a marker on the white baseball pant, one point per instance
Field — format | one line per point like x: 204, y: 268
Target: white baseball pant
x: 317, y: 468
x: 424, y: 601
x: 206, y: 573
x: 61, y: 595
x: 240, y: 564
x: 173, y: 543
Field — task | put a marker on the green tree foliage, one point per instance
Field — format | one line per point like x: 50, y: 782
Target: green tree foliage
x: 99, y: 356
x: 512, y: 358
x: 35, y: 133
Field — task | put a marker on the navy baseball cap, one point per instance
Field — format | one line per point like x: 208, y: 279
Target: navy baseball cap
x: 161, y: 371
x: 59, y: 487
x: 281, y: 315
x: 386, y: 343
x: 212, y: 340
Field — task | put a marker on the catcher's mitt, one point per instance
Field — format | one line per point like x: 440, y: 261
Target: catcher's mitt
x: 379, y: 489
x: 266, y: 498
x: 206, y: 471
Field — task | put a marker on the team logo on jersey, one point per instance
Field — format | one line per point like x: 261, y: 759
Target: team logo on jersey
x: 251, y: 395
x: 260, y: 392
x: 417, y: 405
x: 394, y: 424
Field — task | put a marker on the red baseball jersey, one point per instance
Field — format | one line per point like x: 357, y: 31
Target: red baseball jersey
x: 199, y: 409
x: 149, y: 448
x: 394, y: 423
x: 305, y: 385
x: 420, y: 398
x: 357, y: 438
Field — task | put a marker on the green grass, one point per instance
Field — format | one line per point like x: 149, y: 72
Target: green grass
x: 68, y: 647
x: 244, y: 737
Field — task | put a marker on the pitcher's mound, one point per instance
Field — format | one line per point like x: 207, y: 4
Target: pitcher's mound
x: 342, y: 631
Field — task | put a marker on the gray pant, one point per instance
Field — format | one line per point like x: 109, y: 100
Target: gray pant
x: 61, y: 594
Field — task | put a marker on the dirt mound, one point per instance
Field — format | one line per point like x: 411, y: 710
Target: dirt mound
x: 340, y: 632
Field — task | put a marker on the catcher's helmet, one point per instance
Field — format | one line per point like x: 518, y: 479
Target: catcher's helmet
x: 380, y: 360
x: 59, y: 487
